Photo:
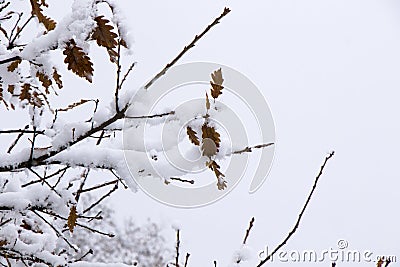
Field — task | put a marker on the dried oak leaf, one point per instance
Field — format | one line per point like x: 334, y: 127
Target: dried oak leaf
x: 207, y: 102
x: 11, y: 88
x: 33, y: 98
x: 103, y: 33
x: 104, y: 36
x: 221, y: 183
x: 48, y: 23
x: 45, y: 80
x: 192, y: 136
x: 14, y: 65
x: 209, y: 148
x: 209, y: 132
x: 25, y: 92
x: 78, y: 61
x: 216, y: 83
x: 57, y: 79
x: 72, y: 218
x: 73, y: 105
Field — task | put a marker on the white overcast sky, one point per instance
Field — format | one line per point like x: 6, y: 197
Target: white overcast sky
x: 330, y: 72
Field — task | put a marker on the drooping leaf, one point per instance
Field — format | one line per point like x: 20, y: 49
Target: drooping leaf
x: 14, y: 65
x: 103, y: 33
x: 57, y: 78
x: 207, y: 102
x: 11, y: 88
x: 77, y: 61
x: 221, y: 183
x: 123, y: 43
x: 209, y: 132
x: 73, y: 105
x: 33, y: 98
x: 72, y: 218
x: 48, y: 23
x: 192, y: 136
x: 25, y: 92
x: 45, y: 80
x: 216, y: 83
x: 208, y: 147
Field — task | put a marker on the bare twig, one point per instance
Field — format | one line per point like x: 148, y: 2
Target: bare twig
x: 44, y: 181
x: 11, y: 43
x: 119, y: 179
x: 45, y: 178
x: 21, y: 131
x: 8, y: 60
x: 127, y: 74
x: 84, y: 175
x: 17, y: 139
x: 182, y: 180
x: 151, y: 116
x: 101, y: 199
x: 291, y: 233
x: 117, y: 87
x: 178, y: 242
x: 78, y: 224
x: 98, y: 186
x: 187, y: 48
x: 56, y: 231
x: 187, y: 259
x: 248, y: 230
x: 250, y: 149
x: 100, y: 138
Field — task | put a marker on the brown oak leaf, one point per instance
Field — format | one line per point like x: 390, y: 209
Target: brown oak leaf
x: 77, y: 61
x: 216, y: 83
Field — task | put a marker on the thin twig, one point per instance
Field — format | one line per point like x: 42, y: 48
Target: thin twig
x: 296, y: 226
x: 84, y: 175
x: 100, y: 138
x: 21, y: 131
x: 46, y: 178
x: 178, y: 242
x: 117, y: 87
x: 119, y: 179
x: 101, y: 199
x: 182, y: 180
x: 151, y: 116
x: 17, y: 139
x: 11, y: 43
x: 250, y: 149
x: 187, y: 48
x: 78, y: 224
x: 248, y: 230
x: 187, y: 259
x: 127, y: 74
x: 45, y: 182
x: 56, y: 231
x: 98, y: 186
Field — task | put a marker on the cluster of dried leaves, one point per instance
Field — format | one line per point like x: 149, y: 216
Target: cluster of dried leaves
x: 210, y: 138
x: 76, y: 59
